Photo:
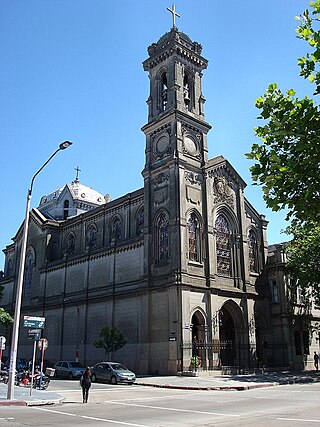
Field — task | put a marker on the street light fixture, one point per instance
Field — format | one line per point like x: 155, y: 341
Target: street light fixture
x: 78, y: 326
x: 17, y: 312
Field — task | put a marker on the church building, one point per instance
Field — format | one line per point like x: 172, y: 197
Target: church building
x: 178, y: 266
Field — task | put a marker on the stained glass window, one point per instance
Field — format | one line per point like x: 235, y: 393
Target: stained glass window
x: 162, y: 238
x: 28, y: 276
x: 253, y: 252
x: 194, y: 238
x: 140, y: 222
x: 70, y: 244
x: 223, y: 246
x: 92, y: 236
x: 116, y: 229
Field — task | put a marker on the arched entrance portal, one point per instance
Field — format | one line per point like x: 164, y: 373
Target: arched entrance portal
x: 199, y: 337
x: 227, y: 338
x: 231, y: 335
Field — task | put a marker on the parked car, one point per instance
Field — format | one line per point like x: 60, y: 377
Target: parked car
x: 112, y: 372
x: 68, y: 369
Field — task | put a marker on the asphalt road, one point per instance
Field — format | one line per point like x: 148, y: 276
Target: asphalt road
x: 140, y: 406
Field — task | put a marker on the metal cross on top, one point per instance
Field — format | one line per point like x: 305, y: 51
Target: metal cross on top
x: 77, y: 170
x: 174, y: 14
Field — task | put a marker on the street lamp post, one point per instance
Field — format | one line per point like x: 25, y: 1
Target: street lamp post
x: 17, y: 312
x: 78, y: 327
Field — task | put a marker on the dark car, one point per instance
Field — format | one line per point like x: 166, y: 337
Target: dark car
x: 66, y: 369
x: 112, y: 372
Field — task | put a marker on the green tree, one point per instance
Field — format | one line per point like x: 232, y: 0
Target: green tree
x: 287, y: 163
x: 110, y: 339
x: 303, y: 258
x: 5, y: 318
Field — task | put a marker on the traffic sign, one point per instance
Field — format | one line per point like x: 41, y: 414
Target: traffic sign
x: 43, y: 344
x: 34, y: 322
x: 34, y: 334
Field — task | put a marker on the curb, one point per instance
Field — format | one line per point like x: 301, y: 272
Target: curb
x: 13, y: 403
x: 221, y: 388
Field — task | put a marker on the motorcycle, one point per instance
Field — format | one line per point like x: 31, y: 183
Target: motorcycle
x: 41, y: 382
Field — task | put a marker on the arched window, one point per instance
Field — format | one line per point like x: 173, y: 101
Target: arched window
x: 253, y: 251
x: 186, y: 92
x: 116, y: 229
x: 164, y: 91
x: 66, y: 209
x: 194, y: 238
x: 92, y: 236
x: 70, y: 244
x: 223, y: 246
x: 140, y: 222
x: 29, y: 264
x: 162, y: 237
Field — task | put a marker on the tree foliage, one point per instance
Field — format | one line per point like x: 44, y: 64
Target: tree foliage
x: 303, y: 257
x: 5, y: 318
x: 110, y: 339
x: 287, y: 163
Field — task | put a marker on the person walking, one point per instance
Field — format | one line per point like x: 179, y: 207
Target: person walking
x: 316, y: 360
x: 85, y: 382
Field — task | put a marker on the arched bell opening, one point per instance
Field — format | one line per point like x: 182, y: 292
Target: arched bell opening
x: 187, y: 92
x: 164, y: 91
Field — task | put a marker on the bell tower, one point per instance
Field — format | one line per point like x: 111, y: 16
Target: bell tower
x: 176, y: 150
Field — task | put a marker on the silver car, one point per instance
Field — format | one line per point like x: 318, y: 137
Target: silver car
x: 112, y: 372
x: 68, y: 369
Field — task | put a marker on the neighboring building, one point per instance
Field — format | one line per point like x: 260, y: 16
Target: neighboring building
x: 178, y: 265
x: 294, y: 324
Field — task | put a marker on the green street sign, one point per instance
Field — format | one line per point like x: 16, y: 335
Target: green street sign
x: 34, y: 322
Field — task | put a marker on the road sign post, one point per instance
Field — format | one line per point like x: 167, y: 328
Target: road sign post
x: 2, y: 347
x: 42, y: 345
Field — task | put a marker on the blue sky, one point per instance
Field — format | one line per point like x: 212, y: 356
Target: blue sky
x: 71, y: 69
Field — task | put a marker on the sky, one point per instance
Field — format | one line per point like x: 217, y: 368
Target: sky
x: 72, y: 70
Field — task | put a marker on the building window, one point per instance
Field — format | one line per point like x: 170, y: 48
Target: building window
x: 164, y: 92
x: 29, y: 264
x: 92, y: 236
x: 274, y: 292
x: 253, y: 252
x: 193, y: 238
x: 116, y: 230
x: 223, y: 246
x: 66, y: 209
x: 70, y: 244
x: 140, y: 222
x: 162, y: 238
x: 186, y: 92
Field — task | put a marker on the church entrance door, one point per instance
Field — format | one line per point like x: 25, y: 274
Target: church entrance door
x: 199, y: 339
x: 227, y: 338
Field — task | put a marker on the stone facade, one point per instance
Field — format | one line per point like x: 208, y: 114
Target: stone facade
x: 178, y: 265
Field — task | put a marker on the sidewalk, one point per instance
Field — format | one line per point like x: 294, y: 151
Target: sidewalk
x: 200, y: 382
x: 22, y: 397
x: 230, y: 382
